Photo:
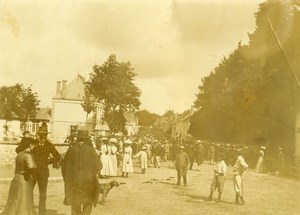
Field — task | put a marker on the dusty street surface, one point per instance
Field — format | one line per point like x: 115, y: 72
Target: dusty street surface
x: 156, y: 193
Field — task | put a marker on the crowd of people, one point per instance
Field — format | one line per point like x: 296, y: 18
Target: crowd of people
x: 89, y: 158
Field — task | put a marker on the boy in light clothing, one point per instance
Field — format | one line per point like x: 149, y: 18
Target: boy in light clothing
x: 239, y: 168
x: 219, y: 177
x: 143, y: 159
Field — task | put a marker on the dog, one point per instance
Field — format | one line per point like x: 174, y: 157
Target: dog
x: 104, y: 189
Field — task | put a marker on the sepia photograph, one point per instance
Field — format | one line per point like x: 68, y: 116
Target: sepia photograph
x: 155, y: 107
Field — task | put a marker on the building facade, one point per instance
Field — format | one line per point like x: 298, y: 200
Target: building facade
x: 67, y: 110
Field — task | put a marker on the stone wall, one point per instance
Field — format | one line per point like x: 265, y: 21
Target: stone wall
x: 8, y: 154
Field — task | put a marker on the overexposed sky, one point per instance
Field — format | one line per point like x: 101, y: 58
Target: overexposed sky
x: 171, y: 44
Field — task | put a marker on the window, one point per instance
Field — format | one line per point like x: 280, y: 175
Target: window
x: 34, y: 127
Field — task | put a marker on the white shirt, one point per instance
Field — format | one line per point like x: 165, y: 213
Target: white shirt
x: 240, y: 165
x: 220, y: 168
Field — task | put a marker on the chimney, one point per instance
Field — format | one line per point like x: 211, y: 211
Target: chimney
x: 63, y: 90
x: 58, y: 86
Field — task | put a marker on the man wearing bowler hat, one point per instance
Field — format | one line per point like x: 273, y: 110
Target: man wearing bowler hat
x: 41, y: 153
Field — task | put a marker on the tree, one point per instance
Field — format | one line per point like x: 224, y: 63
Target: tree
x: 112, y: 86
x: 28, y: 103
x: 17, y: 102
x: 146, y: 118
x: 250, y: 96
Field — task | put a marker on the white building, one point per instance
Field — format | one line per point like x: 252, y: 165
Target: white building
x: 67, y: 110
x: 16, y: 127
x: 132, y: 123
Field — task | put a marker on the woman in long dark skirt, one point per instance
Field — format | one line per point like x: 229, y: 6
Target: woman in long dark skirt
x: 20, y: 196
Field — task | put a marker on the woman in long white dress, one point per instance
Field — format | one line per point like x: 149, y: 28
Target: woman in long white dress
x: 107, y: 166
x: 113, y: 155
x: 127, y: 159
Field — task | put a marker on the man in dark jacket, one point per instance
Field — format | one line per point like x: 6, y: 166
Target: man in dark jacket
x: 157, y: 151
x: 80, y: 168
x: 199, y: 153
x: 44, y: 154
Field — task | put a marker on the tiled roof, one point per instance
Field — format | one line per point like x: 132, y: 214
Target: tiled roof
x: 43, y: 114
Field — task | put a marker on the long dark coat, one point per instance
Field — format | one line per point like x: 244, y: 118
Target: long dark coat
x: 80, y: 168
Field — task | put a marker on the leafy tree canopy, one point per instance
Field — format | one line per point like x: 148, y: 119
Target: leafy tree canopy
x: 18, y: 101
x: 112, y: 85
x: 250, y: 96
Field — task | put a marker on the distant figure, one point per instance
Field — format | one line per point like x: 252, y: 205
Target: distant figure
x: 107, y: 166
x: 80, y: 169
x: 238, y: 171
x: 181, y: 163
x: 260, y: 160
x: 191, y: 152
x: 157, y: 152
x: 199, y: 153
x: 113, y: 155
x: 127, y: 166
x: 219, y: 177
x: 143, y: 159
x: 149, y: 149
x: 20, y: 196
x: 211, y: 153
x: 167, y: 151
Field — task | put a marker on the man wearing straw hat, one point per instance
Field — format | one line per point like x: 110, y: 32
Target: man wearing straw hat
x: 41, y: 153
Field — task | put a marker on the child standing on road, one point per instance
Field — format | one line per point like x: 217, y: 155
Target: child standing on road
x: 219, y: 177
x: 143, y: 159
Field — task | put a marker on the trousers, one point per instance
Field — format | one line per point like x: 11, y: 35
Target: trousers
x: 42, y: 185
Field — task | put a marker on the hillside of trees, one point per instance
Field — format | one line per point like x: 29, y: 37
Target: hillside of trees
x: 249, y: 98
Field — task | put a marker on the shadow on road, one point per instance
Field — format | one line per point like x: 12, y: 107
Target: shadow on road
x: 199, y: 199
x: 54, y: 212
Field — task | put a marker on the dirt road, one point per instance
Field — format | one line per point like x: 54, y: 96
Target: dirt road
x: 156, y: 193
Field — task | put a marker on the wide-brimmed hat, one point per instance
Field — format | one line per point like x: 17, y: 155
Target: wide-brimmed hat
x: 24, y: 145
x: 181, y: 147
x: 83, y: 134
x: 263, y: 147
x: 199, y: 141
